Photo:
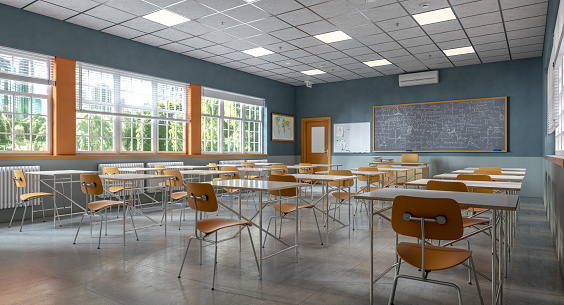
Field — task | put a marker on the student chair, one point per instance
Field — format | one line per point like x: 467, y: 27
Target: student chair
x: 250, y: 165
x: 490, y: 168
x: 283, y: 171
x: 477, y: 190
x: 340, y: 194
x: 429, y: 218
x: 373, y: 180
x: 202, y: 199
x: 308, y: 171
x: 177, y: 197
x: 25, y: 199
x: 411, y: 158
x: 284, y: 208
x: 389, y: 178
x: 487, y: 172
x: 91, y: 186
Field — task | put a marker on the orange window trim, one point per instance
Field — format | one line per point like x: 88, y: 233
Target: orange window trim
x: 64, y: 107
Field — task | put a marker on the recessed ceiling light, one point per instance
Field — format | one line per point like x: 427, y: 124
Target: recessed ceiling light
x: 435, y: 16
x: 333, y: 37
x: 251, y: 1
x: 458, y: 51
x: 256, y: 52
x: 376, y: 63
x: 313, y: 72
x: 166, y: 18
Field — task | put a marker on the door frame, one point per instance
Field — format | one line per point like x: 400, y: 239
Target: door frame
x: 327, y: 135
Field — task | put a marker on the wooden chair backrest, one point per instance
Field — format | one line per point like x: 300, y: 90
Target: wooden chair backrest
x: 342, y: 183
x: 176, y: 181
x: 91, y: 184
x: 280, y: 166
x: 160, y: 166
x: 409, y: 158
x: 19, y: 178
x: 477, y: 178
x: 305, y: 170
x: 367, y: 169
x: 198, y: 190
x: 384, y: 166
x: 234, y: 175
x: 248, y: 164
x: 110, y: 171
x: 490, y: 168
x: 487, y: 172
x: 453, y: 186
x: 213, y: 166
x: 285, y: 192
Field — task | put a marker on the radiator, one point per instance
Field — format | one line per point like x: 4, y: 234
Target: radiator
x: 9, y: 193
x: 153, y: 183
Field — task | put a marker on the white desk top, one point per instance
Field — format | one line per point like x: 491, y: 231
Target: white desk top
x: 205, y: 172
x: 313, y: 165
x: 368, y: 173
x: 256, y: 185
x: 61, y: 172
x: 509, y: 186
x: 132, y: 177
x: 322, y: 177
x: 503, y: 169
x: 398, y: 163
x: 140, y: 169
x: 186, y: 166
x: 465, y: 200
x: 494, y: 177
x: 469, y: 171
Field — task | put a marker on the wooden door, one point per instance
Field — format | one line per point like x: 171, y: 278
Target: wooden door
x: 316, y: 140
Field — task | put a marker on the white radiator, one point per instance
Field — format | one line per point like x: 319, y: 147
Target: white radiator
x: 153, y: 183
x: 9, y: 193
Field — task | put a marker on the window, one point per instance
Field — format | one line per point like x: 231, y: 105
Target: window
x: 125, y: 112
x: 25, y: 101
x: 229, y: 125
x: 555, y: 85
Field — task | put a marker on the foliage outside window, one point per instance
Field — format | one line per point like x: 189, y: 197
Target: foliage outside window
x: 231, y: 127
x: 122, y: 112
x: 24, y: 102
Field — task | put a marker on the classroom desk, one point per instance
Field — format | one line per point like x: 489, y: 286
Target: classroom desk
x: 494, y: 177
x: 469, y: 171
x: 260, y: 186
x: 503, y: 169
x: 204, y: 173
x: 63, y: 177
x: 498, y: 203
x: 188, y: 167
x: 247, y: 165
x: 424, y: 164
x: 420, y: 168
x: 129, y: 180
x: 325, y: 179
x: 137, y: 170
x: 311, y: 167
x: 493, y: 185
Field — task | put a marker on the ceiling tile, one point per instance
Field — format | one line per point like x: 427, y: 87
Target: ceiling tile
x: 223, y: 4
x: 358, y: 51
x: 392, y: 45
x: 397, y: 24
x: 417, y: 41
x: 524, y: 33
x: 295, y: 54
x: 268, y: 66
x: 407, y: 33
x: 110, y: 14
x: 492, y: 53
x: 485, y: 30
x: 135, y: 7
x: 172, y: 34
x: 144, y: 25
x: 90, y: 22
x: 367, y: 57
x: 306, y: 42
x: 79, y: 6
x: 288, y: 34
x: 527, y: 55
x: 269, y: 24
x: 349, y: 21
x: 190, y: 9
x: 394, y: 53
x: 351, y: 77
x: 447, y: 36
x: 242, y: 31
x: 309, y: 59
x: 476, y: 8
x: 16, y: 3
x: 280, y: 47
x: 263, y: 40
x: 416, y: 6
x: 152, y: 40
x: 375, y: 39
x: 198, y: 54
x: 275, y: 58
x: 239, y: 45
x: 218, y: 60
x: 525, y: 23
x: 50, y: 10
x: 318, y: 27
x: 320, y: 49
x: 251, y: 69
x: 432, y: 57
x: 254, y: 61
x: 479, y: 20
x: 505, y: 4
x: 194, y: 28
x: 441, y: 27
x: 527, y: 48
x: 299, y: 17
x: 122, y: 31
x: 466, y: 62
x: 218, y: 37
x: 463, y: 57
x: 219, y: 21
x: 217, y: 50
x: 344, y: 61
x: 282, y: 70
x: 526, y: 41
x: 454, y: 44
x: 539, y: 9
x: 363, y: 30
x: 440, y: 66
x: 401, y: 59
x: 355, y: 67
x: 333, y: 55
x: 488, y: 38
x: 364, y: 5
x: 346, y: 44
x: 247, y: 13
x: 235, y: 65
x: 196, y: 42
x: 237, y: 56
x: 311, y: 2
x: 423, y: 49
x: 176, y: 47
x: 162, y: 3
x: 392, y: 11
x: 276, y: 7
x: 491, y: 46
x: 495, y: 59
x: 332, y: 8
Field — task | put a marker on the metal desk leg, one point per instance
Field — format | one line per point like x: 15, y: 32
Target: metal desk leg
x: 371, y: 220
x: 297, y: 221
x: 124, y: 207
x: 494, y: 254
x: 260, y: 235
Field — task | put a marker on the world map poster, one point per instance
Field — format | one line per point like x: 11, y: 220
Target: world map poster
x: 282, y: 127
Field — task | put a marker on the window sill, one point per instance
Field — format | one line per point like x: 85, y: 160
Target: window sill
x: 556, y: 159
x: 124, y: 156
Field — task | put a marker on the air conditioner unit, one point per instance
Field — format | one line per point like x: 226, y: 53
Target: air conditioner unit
x: 421, y: 78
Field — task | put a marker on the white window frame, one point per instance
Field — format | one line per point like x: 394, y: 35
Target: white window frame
x: 119, y: 107
x: 45, y: 80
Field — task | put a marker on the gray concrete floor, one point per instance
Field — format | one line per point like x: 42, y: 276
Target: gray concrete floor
x: 42, y: 266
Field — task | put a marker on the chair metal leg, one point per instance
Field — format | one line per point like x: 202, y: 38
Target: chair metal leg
x: 185, y: 255
x: 476, y: 278
x: 393, y: 294
x: 81, y: 219
x: 13, y: 214
x: 43, y: 209
x: 100, y: 235
x: 469, y: 271
x: 214, y: 262
x: 23, y: 217
x: 267, y: 229
x: 318, y: 230
x: 253, y: 246
x: 133, y: 223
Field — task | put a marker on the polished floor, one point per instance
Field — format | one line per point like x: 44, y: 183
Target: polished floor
x: 42, y: 266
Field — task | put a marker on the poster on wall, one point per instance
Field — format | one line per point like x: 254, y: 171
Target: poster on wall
x: 282, y: 127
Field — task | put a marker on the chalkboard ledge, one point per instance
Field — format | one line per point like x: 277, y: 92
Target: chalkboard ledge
x: 556, y: 159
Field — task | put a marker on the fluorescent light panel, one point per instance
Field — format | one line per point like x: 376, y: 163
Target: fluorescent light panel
x: 333, y: 37
x: 435, y: 16
x: 459, y: 51
x: 167, y: 18
x: 256, y: 52
x: 376, y: 63
x: 313, y: 72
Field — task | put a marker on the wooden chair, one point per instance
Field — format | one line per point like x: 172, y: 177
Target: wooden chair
x: 112, y: 171
x: 477, y: 190
x: 25, y: 199
x: 411, y: 158
x: 278, y: 172
x: 202, y: 199
x: 309, y: 171
x: 284, y: 208
x: 429, y: 218
x: 342, y: 194
x: 250, y: 165
x: 487, y: 172
x: 490, y: 168
x: 177, y: 197
x: 373, y: 183
x: 91, y: 186
x: 389, y: 178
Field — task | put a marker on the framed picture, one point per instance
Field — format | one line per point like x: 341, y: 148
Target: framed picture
x: 282, y: 127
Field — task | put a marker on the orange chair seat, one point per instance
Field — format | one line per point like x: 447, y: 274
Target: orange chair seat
x: 253, y: 177
x: 436, y: 258
x: 288, y: 207
x: 179, y: 195
x: 477, y: 210
x: 102, y: 204
x: 30, y: 196
x: 217, y: 179
x: 210, y: 225
x: 372, y: 188
x: 468, y: 222
x: 115, y: 189
x: 342, y: 195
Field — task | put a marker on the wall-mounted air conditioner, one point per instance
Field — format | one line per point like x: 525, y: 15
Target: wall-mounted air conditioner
x: 421, y: 78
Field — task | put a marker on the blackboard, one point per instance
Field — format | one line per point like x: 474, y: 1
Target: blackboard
x: 462, y: 125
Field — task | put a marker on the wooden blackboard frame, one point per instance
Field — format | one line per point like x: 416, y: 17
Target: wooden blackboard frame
x: 438, y: 102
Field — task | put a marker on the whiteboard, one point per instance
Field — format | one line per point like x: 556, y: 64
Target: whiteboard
x: 351, y: 138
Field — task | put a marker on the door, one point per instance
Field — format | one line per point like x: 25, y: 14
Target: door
x: 316, y: 140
